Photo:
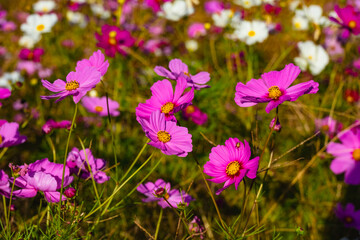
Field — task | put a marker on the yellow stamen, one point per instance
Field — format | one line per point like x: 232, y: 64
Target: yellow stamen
x: 112, y: 41
x: 166, y: 196
x: 356, y: 154
x: 274, y: 92
x: 349, y: 99
x: 112, y: 34
x: 251, y: 33
x: 45, y: 9
x: 72, y: 85
x: 189, y: 109
x: 163, y: 136
x: 98, y: 109
x: 310, y: 57
x: 233, y: 168
x: 167, y: 107
x: 207, y: 26
x: 1, y: 139
x: 349, y: 219
x: 297, y: 25
x: 325, y: 128
x: 352, y: 24
x: 40, y: 27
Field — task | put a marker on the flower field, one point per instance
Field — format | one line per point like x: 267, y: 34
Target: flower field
x: 180, y: 119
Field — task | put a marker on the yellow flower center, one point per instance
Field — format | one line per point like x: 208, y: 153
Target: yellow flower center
x: 325, y: 128
x: 246, y: 3
x: 231, y: 13
x: 112, y: 34
x: 45, y: 9
x: 207, y: 26
x: 274, y: 92
x: 163, y: 136
x: 40, y: 27
x: 251, y: 33
x: 297, y: 25
x: 310, y: 57
x: 31, y: 55
x: 1, y: 139
x: 352, y: 24
x: 72, y: 85
x: 349, y: 99
x: 187, y: 74
x: 98, y: 109
x: 237, y: 145
x: 233, y: 168
x: 166, y: 196
x: 167, y: 107
x: 349, y: 219
x: 112, y: 41
x: 356, y: 154
x: 190, y: 109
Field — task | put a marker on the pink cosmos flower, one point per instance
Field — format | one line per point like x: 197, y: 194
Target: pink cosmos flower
x: 51, y: 124
x: 77, y: 84
x: 194, y: 114
x: 31, y: 55
x: 348, y: 215
x: 99, y: 106
x: 155, y: 4
x: 231, y: 163
x: 44, y: 176
x: 29, y: 67
x: 196, y: 30
x: 113, y: 40
x: 273, y: 87
x: 179, y: 69
x: 347, y: 156
x: 97, y: 60
x: 80, y: 163
x: 349, y: 18
x: 165, y: 135
x: 328, y: 126
x: 5, y: 189
x: 159, y: 190
x: 166, y: 100
x: 9, y: 135
x: 214, y: 6
x: 333, y: 47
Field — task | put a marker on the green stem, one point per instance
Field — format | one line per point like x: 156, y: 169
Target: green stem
x: 9, y: 210
x: 180, y: 216
x: 5, y: 213
x: 65, y: 157
x: 158, y: 224
x: 2, y: 153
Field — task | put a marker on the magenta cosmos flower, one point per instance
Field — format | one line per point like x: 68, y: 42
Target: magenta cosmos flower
x: 179, y: 69
x: 348, y: 215
x: 97, y: 60
x: 231, y: 163
x: 194, y: 114
x: 165, y: 135
x: 43, y: 176
x: 328, y: 126
x: 273, y: 87
x: 166, y: 100
x: 159, y: 190
x: 155, y: 4
x: 5, y: 189
x: 51, y: 124
x: 32, y: 55
x: 114, y: 40
x: 77, y: 84
x: 9, y: 135
x: 349, y: 18
x: 347, y: 156
x: 99, y: 106
x: 214, y: 7
x: 81, y: 164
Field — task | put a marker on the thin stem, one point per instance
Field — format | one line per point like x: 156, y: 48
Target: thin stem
x: 257, y: 195
x: 5, y: 212
x: 112, y: 137
x: 180, y: 216
x: 65, y: 157
x: 158, y: 224
x: 9, y: 211
x: 3, y: 152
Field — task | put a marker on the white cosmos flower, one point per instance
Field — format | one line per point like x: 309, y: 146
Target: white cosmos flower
x: 29, y: 41
x: 9, y: 78
x: 314, y: 14
x: 226, y: 17
x: 248, y: 3
x: 36, y: 24
x: 76, y: 18
x: 44, y: 6
x: 312, y: 56
x: 300, y: 23
x: 191, y: 45
x: 176, y: 10
x: 251, y: 32
x: 99, y: 10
